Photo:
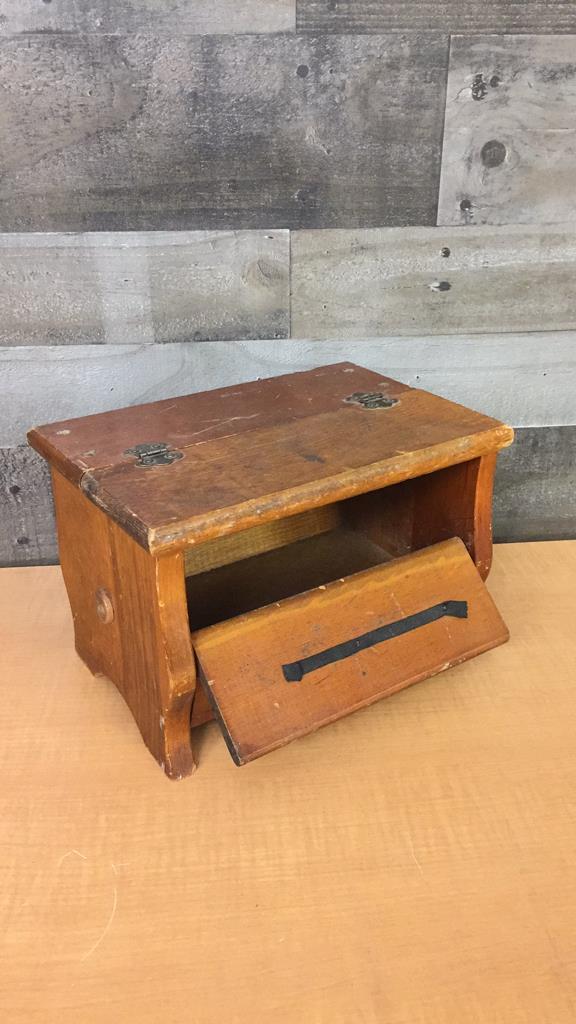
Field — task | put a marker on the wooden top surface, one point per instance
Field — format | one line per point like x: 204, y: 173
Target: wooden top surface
x: 260, y: 450
x: 411, y: 863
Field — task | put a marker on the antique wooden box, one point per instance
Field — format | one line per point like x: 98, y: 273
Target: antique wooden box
x: 276, y: 554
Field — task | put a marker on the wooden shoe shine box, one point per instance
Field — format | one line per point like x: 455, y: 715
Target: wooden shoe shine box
x: 276, y: 554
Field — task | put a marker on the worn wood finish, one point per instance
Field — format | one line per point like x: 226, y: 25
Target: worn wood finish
x: 535, y: 496
x: 181, y: 133
x: 391, y: 863
x: 349, y: 16
x: 278, y: 447
x: 391, y: 281
x: 144, y: 647
x: 131, y: 288
x: 509, y: 155
x: 525, y: 379
x: 27, y: 527
x: 171, y: 17
x: 533, y: 500
x: 243, y: 662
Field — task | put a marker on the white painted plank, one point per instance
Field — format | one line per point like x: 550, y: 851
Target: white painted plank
x: 523, y: 379
x: 191, y: 17
x: 135, y: 288
x: 509, y: 154
x: 389, y: 281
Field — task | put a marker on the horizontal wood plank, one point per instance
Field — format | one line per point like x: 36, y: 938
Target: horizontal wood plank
x: 388, y: 281
x: 27, y: 527
x: 499, y: 16
x: 535, y: 489
x: 215, y: 132
x: 533, y: 499
x: 129, y: 288
x: 524, y: 380
x: 509, y: 154
x: 159, y: 16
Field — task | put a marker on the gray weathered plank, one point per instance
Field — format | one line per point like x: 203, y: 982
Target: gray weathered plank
x: 27, y: 530
x: 534, y: 495
x: 209, y: 132
x: 389, y: 281
x: 509, y: 152
x: 535, y: 490
x: 176, y: 17
x: 524, y: 379
x: 131, y: 288
x: 499, y: 16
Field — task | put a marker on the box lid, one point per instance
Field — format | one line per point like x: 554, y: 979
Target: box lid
x: 183, y: 470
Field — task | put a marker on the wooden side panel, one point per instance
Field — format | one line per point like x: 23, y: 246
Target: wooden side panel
x: 394, y: 281
x: 181, y: 133
x: 170, y: 17
x: 288, y: 669
x: 509, y: 152
x: 145, y: 647
x: 444, y: 15
x: 136, y: 288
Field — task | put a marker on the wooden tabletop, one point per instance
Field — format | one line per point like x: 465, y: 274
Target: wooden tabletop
x: 412, y: 864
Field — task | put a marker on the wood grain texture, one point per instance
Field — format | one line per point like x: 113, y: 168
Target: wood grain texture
x: 243, y: 661
x: 144, y: 644
x: 171, y: 17
x: 27, y: 528
x: 525, y: 379
x: 394, y: 281
x: 138, y: 132
x: 535, y: 496
x: 499, y: 16
x: 261, y: 451
x: 391, y: 863
x: 533, y: 499
x: 130, y: 288
x: 509, y: 155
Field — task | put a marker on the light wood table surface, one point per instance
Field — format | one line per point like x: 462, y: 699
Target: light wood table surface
x: 412, y: 864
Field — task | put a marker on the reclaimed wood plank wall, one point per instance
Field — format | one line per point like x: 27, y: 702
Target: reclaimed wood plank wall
x: 194, y: 194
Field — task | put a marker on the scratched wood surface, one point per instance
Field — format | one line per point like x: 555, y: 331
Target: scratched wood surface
x: 386, y: 281
x: 168, y: 16
x: 444, y: 15
x: 509, y: 155
x: 128, y: 287
x: 415, y: 855
x: 270, y: 130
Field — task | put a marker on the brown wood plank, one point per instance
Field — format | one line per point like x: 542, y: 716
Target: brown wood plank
x: 498, y: 16
x: 246, y: 663
x: 181, y: 133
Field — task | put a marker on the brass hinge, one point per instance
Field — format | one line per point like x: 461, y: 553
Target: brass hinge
x: 155, y: 453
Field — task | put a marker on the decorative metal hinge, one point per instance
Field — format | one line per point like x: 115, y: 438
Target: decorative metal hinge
x: 372, y: 400
x: 155, y: 453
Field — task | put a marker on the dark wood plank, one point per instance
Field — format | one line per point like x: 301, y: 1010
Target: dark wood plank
x: 27, y: 530
x: 131, y: 288
x: 509, y: 155
x: 352, y: 16
x: 158, y: 16
x: 535, y: 490
x: 141, y: 132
